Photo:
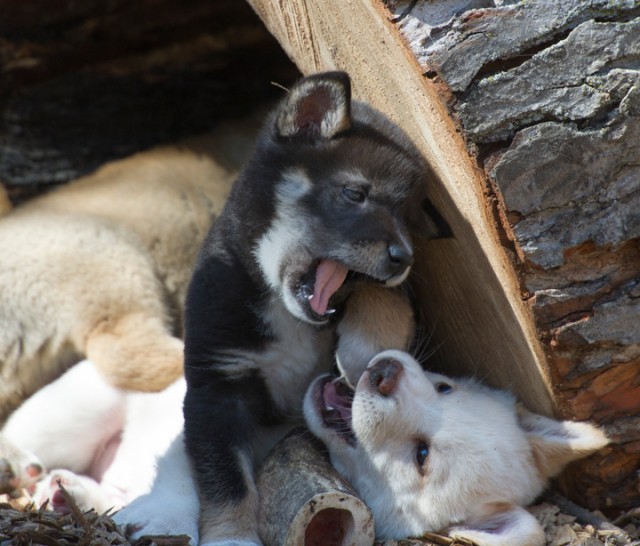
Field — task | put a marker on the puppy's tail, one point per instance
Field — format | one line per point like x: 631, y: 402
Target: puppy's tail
x: 136, y: 352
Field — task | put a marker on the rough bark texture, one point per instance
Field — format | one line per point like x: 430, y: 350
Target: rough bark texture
x: 303, y: 500
x: 85, y: 82
x: 548, y: 97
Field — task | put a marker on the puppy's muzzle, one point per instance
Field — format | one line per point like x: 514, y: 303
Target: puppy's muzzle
x: 384, y: 376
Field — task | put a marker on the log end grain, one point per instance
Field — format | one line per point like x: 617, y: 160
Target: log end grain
x: 304, y: 501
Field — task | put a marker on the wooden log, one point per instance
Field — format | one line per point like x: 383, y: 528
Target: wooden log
x: 528, y: 113
x: 548, y: 98
x: 304, y: 501
x: 84, y: 83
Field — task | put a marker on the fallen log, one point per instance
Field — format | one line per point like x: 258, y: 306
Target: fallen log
x: 304, y: 501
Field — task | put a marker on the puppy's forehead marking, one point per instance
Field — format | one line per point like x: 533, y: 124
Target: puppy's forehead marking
x: 294, y: 184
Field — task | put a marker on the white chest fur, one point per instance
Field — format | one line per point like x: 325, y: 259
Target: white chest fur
x: 299, y: 353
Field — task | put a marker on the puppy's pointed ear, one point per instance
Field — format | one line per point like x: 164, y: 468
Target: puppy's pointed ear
x: 504, y: 525
x: 556, y: 443
x: 318, y: 106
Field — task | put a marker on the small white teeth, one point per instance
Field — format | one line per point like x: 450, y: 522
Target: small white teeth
x: 330, y: 311
x: 328, y: 407
x: 309, y: 297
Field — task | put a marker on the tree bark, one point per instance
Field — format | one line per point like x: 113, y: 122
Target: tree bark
x: 82, y: 83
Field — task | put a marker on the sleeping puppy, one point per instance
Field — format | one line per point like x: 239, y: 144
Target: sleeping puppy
x: 426, y: 452
x: 99, y: 268
x: 305, y: 260
x: 429, y: 453
x: 99, y: 441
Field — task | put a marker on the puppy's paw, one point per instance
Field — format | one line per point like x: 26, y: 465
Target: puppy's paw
x: 86, y: 492
x: 19, y: 469
x: 151, y: 515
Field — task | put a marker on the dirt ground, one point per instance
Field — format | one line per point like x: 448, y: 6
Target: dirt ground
x: 565, y: 524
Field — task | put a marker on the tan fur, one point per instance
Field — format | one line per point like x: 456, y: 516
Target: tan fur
x: 394, y: 328
x: 5, y: 203
x: 100, y: 267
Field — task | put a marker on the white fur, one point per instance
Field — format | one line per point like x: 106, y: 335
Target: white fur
x: 284, y: 239
x: 81, y: 408
x: 287, y: 384
x: 86, y: 492
x: 100, y: 441
x: 483, y: 463
x: 172, y: 505
x: 153, y: 420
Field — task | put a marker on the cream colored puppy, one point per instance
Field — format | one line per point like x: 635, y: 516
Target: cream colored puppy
x: 99, y: 268
x: 430, y: 453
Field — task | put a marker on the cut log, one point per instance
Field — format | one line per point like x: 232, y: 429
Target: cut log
x: 304, y: 501
x: 87, y: 82
x: 528, y: 113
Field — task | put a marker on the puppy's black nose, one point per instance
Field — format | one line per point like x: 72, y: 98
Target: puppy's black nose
x: 384, y: 374
x: 400, y: 256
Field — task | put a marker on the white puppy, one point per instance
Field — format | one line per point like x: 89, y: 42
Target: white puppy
x: 100, y: 442
x: 428, y: 453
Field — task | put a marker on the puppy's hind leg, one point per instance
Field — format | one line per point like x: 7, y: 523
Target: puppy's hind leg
x: 72, y: 422
x: 136, y: 352
x: 219, y: 423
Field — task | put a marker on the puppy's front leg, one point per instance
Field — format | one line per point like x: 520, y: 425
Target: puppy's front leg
x: 220, y: 420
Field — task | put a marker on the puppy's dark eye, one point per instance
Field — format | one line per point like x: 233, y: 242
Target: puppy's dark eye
x: 422, y: 453
x: 355, y: 195
x: 444, y: 388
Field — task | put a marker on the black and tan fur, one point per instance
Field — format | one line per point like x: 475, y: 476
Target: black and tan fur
x: 331, y: 184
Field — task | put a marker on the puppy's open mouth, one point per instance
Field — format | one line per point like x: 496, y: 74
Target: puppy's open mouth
x: 335, y: 401
x: 319, y: 290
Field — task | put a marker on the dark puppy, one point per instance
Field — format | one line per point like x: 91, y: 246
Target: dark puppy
x: 303, y: 262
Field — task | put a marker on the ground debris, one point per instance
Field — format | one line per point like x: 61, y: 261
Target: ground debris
x: 567, y: 524
x: 27, y: 525
x: 564, y: 523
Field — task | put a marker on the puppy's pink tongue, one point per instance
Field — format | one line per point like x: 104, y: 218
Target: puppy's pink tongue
x: 329, y: 277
